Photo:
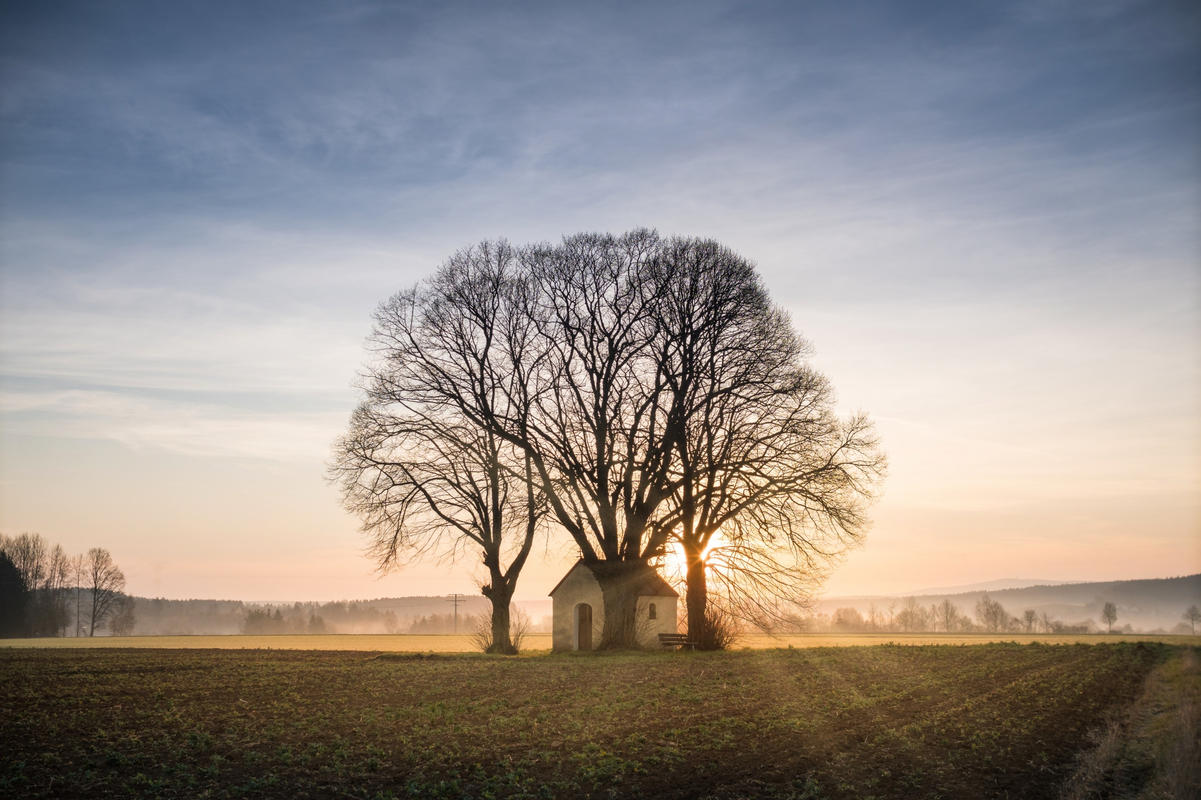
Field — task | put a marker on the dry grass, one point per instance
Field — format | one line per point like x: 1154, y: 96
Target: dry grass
x: 1178, y: 754
x: 1151, y: 750
x: 1096, y: 765
x: 1179, y: 765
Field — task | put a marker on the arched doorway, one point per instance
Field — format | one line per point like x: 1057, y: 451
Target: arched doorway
x: 583, y: 627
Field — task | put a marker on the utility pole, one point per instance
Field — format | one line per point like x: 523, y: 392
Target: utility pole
x: 455, y: 599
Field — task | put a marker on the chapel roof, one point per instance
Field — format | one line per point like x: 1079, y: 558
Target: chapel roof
x: 649, y: 584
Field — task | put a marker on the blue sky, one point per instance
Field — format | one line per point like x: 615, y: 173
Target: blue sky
x: 985, y: 216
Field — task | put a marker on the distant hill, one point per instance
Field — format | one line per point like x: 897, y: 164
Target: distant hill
x: 1145, y: 605
x: 987, y: 586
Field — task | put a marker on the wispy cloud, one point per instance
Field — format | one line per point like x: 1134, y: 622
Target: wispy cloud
x: 985, y: 214
x: 175, y: 426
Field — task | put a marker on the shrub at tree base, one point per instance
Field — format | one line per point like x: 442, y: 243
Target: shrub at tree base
x: 519, y: 628
x: 719, y: 632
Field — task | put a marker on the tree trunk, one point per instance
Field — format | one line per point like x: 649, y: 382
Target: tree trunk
x: 502, y: 642
x: 619, y: 582
x: 696, y: 594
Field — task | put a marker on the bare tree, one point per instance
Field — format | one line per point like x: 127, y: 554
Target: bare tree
x: 44, y: 573
x: 1109, y: 615
x: 28, y: 553
x: 1029, y: 618
x: 725, y: 354
x: 54, y: 611
x: 873, y: 616
x: 77, y: 576
x: 848, y: 619
x: 760, y: 459
x: 913, y: 617
x: 562, y: 371
x: 1047, y: 621
x: 424, y: 485
x: 1192, y: 615
x: 424, y: 463
x: 947, y: 615
x: 601, y: 431
x: 643, y: 390
x: 991, y: 615
x: 105, y: 582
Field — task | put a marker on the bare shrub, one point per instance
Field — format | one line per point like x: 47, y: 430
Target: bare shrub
x: 520, y: 626
x: 719, y: 632
x: 480, y: 633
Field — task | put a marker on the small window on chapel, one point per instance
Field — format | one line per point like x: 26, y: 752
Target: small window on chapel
x: 653, y: 613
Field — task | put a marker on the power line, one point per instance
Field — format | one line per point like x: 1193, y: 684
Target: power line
x: 455, y: 600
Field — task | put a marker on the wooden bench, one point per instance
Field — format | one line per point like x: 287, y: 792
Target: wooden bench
x: 675, y: 641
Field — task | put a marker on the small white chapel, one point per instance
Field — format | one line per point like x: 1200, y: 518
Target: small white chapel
x: 579, y: 609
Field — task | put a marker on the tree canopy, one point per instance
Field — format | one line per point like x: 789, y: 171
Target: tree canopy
x: 643, y: 393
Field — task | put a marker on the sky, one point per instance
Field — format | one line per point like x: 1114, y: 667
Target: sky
x: 986, y: 217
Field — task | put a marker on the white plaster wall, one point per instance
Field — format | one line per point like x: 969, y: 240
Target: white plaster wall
x: 580, y: 586
x: 649, y: 629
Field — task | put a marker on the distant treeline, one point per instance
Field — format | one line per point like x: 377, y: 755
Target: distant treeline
x: 911, y: 616
x: 159, y: 616
x: 163, y: 617
x: 1156, y: 606
x: 336, y: 617
x: 46, y: 592
x: 351, y: 618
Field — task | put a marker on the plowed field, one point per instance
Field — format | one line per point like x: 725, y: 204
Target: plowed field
x: 987, y: 721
